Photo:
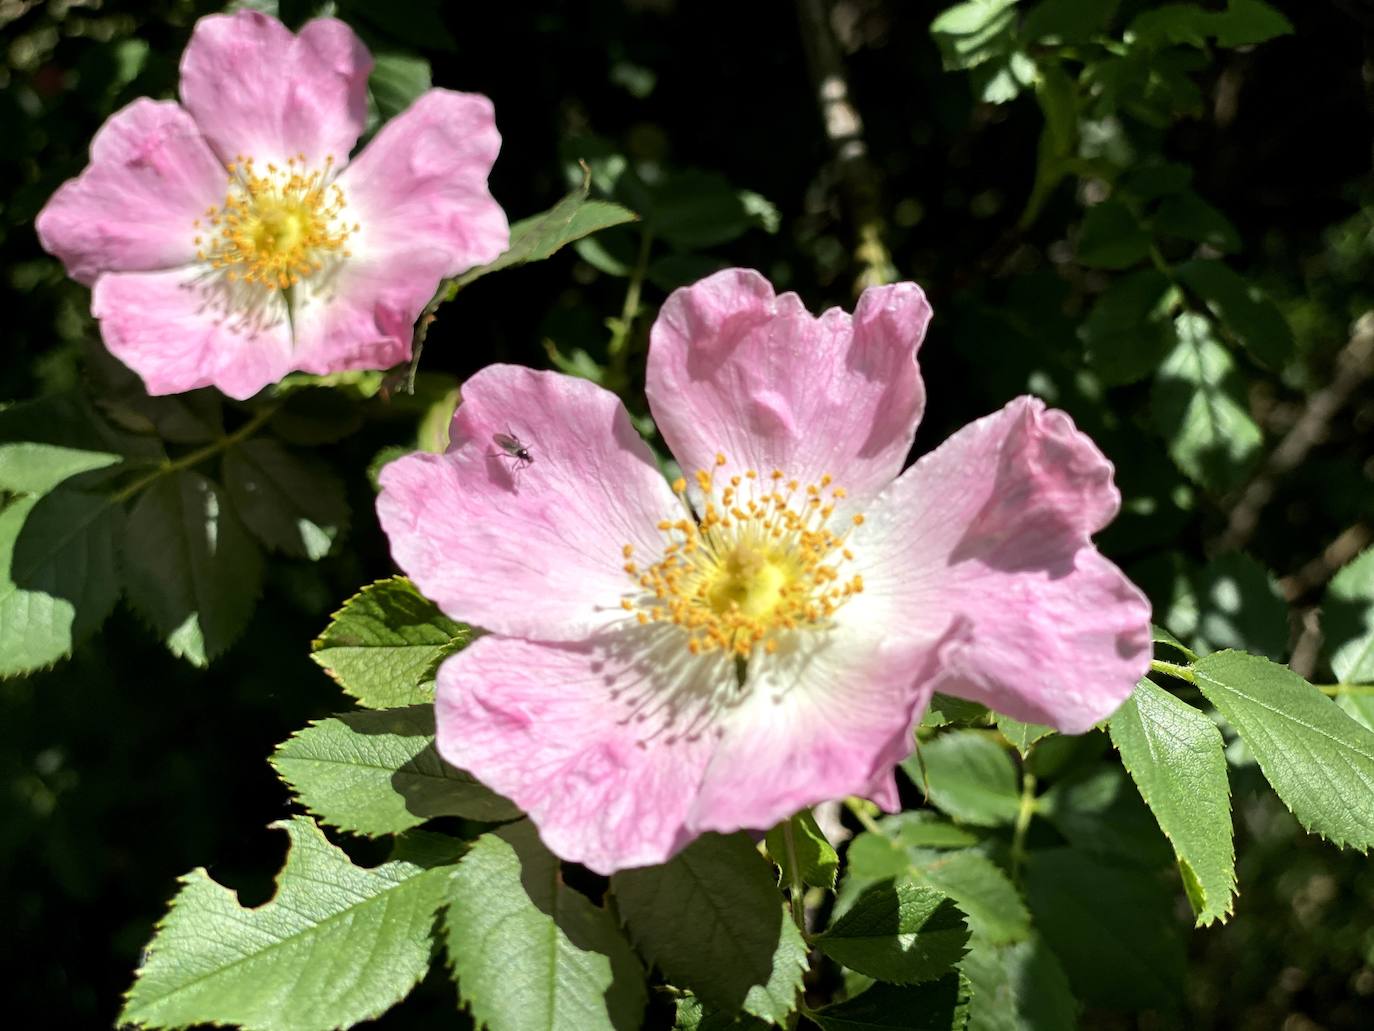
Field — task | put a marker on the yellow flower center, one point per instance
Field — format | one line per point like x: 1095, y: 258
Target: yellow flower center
x: 275, y: 228
x: 761, y: 559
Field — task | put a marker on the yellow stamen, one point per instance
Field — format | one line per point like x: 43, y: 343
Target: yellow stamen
x: 275, y: 229
x: 747, y: 568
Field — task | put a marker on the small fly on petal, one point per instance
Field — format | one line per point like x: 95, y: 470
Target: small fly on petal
x: 512, y: 447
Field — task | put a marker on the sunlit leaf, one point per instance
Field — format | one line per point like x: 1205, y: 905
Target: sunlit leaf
x: 529, y: 952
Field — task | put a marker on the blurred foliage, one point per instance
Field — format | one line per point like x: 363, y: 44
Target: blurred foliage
x: 1137, y: 211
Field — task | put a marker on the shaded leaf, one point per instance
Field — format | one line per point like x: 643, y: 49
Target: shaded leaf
x: 970, y: 777
x: 1110, y: 927
x: 694, y: 210
x: 1247, y: 313
x: 1130, y: 328
x: 292, y: 505
x: 190, y: 568
x: 396, y: 80
x: 1018, y: 987
x: 1189, y: 217
x: 817, y: 862
x: 1348, y: 620
x: 1112, y: 237
x: 1199, y: 407
x: 941, y: 1005
x: 712, y: 920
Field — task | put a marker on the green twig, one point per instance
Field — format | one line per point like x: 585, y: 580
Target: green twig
x: 1024, y: 813
x: 1173, y: 669
x: 856, y: 806
x: 192, y: 458
x: 619, y: 347
x: 1335, y: 690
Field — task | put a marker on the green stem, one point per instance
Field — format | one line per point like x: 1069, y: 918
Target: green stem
x: 856, y: 807
x: 1339, y: 689
x: 1024, y: 813
x: 1173, y: 669
x: 200, y: 454
x: 795, y: 888
x: 619, y: 347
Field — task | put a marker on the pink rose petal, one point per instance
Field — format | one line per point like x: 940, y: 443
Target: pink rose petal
x: 258, y: 91
x: 174, y: 330
x: 735, y: 370
x: 993, y: 527
x: 422, y: 183
x: 822, y: 718
x: 537, y: 551
x: 134, y: 208
x: 598, y: 742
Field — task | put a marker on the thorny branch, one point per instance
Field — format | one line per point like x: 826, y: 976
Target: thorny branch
x: 1354, y: 364
x: 845, y: 131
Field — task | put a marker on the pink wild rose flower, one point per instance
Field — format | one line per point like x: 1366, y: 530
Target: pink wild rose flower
x: 228, y: 240
x: 762, y: 635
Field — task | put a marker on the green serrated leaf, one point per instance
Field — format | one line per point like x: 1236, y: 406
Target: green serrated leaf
x: 1348, y: 621
x: 377, y: 772
x: 941, y: 1005
x: 925, y: 829
x: 898, y: 931
x: 1199, y: 407
x: 531, y: 953
x: 541, y: 236
x: 384, y: 641
x: 1318, y: 759
x: 1110, y: 927
x: 1177, y: 759
x: 1250, y: 316
x: 1022, y: 735
x: 972, y: 33
x: 694, y: 210
x: 1161, y: 636
x: 190, y: 568
x: 1101, y: 813
x: 985, y: 894
x: 712, y: 920
x: 1189, y: 217
x: 292, y: 505
x: 58, y: 578
x: 1247, y: 22
x: 313, y: 415
x: 946, y: 709
x: 694, y: 1015
x: 338, y: 944
x: 47, y: 441
x: 970, y: 777
x: 817, y: 862
x: 1018, y: 987
x: 1112, y: 237
x: 976, y: 884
